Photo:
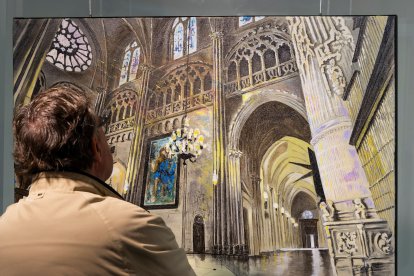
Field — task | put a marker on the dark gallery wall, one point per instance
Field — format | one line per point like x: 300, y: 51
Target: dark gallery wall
x: 403, y: 8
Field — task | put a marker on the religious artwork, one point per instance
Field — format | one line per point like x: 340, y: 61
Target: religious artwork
x: 162, y: 177
x: 266, y: 137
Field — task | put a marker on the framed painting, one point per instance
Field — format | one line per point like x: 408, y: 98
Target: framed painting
x: 298, y: 115
x: 161, y: 181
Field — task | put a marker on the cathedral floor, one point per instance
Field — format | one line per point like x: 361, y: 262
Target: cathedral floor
x: 292, y: 262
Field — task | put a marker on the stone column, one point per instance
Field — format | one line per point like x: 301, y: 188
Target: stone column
x: 237, y: 224
x: 135, y: 152
x: 282, y: 230
x: 100, y: 100
x: 257, y: 216
x: 361, y: 241
x: 278, y: 226
x: 33, y: 38
x: 222, y: 214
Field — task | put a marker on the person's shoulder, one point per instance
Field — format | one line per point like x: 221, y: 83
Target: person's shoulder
x: 123, y: 214
x: 122, y: 207
x: 9, y: 212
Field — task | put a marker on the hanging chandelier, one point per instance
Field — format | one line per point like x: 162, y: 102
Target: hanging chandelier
x: 186, y: 143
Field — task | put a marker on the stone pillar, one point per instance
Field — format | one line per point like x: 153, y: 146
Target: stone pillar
x: 237, y: 225
x: 361, y: 242
x: 135, y: 152
x: 272, y: 218
x: 100, y: 100
x: 257, y: 216
x: 282, y: 230
x: 222, y: 214
x: 278, y: 226
x: 33, y: 38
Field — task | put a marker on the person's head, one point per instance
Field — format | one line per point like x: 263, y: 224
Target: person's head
x: 59, y: 131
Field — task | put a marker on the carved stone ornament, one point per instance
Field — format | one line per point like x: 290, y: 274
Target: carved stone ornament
x: 327, y: 48
x: 334, y: 78
x: 328, y: 210
x: 329, y: 54
x: 346, y: 242
x: 382, y: 242
x: 360, y: 209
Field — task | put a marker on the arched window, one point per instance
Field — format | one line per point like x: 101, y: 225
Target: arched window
x: 244, y: 20
x: 70, y: 48
x: 307, y: 214
x: 192, y: 35
x: 185, y: 36
x: 130, y: 63
x: 178, y: 41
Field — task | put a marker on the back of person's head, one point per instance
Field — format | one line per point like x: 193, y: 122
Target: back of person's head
x: 54, y: 133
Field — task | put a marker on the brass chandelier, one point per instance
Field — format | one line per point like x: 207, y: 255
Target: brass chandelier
x: 187, y: 143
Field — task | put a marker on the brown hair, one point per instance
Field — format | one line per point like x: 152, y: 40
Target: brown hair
x: 54, y: 132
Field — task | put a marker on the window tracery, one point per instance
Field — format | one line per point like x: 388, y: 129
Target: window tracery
x: 130, y: 63
x: 188, y: 86
x: 184, y: 36
x: 70, y: 50
x: 123, y: 108
x: 244, y: 20
x: 259, y: 57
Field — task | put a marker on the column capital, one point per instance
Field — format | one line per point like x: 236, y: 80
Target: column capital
x: 255, y: 178
x: 324, y: 39
x: 100, y: 90
x: 235, y: 153
x: 146, y: 67
x: 216, y: 35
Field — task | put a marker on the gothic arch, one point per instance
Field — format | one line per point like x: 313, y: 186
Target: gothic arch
x: 294, y: 191
x: 278, y: 172
x: 137, y: 38
x: 264, y: 96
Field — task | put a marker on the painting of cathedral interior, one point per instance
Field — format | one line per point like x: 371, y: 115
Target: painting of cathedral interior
x: 267, y: 144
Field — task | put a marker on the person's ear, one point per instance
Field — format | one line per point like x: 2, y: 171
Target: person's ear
x: 96, y: 148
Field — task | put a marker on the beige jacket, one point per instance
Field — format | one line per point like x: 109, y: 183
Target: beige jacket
x: 71, y: 224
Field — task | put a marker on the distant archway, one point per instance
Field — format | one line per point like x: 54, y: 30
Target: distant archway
x: 305, y: 211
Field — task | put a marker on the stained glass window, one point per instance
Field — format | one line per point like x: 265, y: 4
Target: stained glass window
x: 125, y: 66
x: 134, y: 64
x: 192, y: 35
x: 178, y: 41
x: 130, y: 63
x: 70, y: 48
x: 185, y: 36
x: 244, y: 20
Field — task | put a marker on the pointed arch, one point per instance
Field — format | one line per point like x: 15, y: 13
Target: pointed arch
x: 192, y: 35
x: 178, y: 41
x: 130, y: 62
x: 184, y: 36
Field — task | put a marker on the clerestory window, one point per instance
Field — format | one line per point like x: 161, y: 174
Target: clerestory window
x: 130, y: 62
x: 244, y: 20
x: 184, y: 36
